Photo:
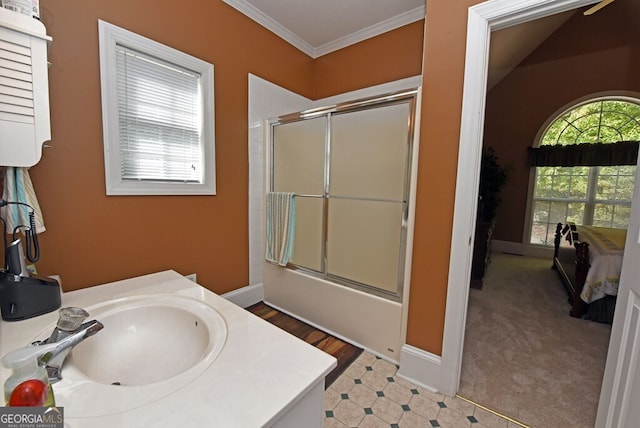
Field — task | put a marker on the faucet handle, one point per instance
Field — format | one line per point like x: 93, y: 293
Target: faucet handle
x: 71, y: 318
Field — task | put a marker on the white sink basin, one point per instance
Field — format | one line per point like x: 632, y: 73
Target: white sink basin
x: 148, y: 341
x: 150, y: 347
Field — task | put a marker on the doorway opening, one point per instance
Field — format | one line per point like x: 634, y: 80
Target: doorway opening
x: 519, y: 338
x: 483, y: 19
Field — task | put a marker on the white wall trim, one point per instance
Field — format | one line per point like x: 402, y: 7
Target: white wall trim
x: 374, y: 30
x: 246, y: 296
x: 315, y: 51
x: 420, y: 367
x: 482, y: 19
x: 270, y: 24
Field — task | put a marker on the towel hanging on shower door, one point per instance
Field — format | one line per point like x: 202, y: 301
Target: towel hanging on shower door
x: 281, y: 225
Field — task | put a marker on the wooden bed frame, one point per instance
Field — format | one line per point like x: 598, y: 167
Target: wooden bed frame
x: 574, y: 275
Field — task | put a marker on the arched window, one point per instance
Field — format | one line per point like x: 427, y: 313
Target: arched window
x: 589, y: 195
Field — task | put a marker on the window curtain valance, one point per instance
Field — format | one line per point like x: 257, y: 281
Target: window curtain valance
x: 596, y: 154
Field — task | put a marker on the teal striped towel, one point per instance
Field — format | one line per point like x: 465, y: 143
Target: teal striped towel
x: 281, y: 226
x: 19, y: 188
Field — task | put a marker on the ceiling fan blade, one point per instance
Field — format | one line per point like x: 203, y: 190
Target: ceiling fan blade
x: 597, y: 7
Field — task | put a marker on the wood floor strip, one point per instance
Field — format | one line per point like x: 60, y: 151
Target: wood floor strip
x: 344, y: 352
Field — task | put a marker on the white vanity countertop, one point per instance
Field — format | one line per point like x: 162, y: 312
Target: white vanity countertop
x: 258, y: 376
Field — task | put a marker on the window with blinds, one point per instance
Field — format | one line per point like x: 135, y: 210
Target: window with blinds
x: 157, y: 115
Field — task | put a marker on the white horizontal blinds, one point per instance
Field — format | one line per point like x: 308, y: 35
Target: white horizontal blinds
x: 160, y: 119
x: 16, y: 79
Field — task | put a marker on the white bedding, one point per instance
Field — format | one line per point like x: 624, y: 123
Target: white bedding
x: 606, y: 248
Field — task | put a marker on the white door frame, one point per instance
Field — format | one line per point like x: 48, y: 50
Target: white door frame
x: 483, y: 18
x: 619, y: 395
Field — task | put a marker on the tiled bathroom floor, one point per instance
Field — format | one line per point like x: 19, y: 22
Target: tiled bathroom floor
x: 369, y: 394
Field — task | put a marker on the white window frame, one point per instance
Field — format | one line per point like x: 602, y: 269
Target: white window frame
x: 110, y: 36
x: 619, y: 95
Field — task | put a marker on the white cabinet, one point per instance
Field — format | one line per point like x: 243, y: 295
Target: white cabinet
x: 24, y: 89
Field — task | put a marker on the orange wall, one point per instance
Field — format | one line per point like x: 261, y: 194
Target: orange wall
x: 93, y: 239
x: 443, y: 72
x: 587, y: 55
x: 393, y: 56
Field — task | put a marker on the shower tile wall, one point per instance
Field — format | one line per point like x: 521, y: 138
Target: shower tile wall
x: 266, y: 100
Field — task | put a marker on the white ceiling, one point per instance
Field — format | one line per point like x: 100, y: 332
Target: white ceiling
x: 318, y: 27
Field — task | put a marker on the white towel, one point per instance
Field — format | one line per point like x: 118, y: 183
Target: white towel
x: 281, y: 225
x: 18, y: 188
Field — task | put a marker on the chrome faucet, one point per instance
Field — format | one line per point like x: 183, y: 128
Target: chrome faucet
x: 68, y: 333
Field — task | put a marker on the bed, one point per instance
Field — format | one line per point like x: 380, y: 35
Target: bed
x: 589, y: 261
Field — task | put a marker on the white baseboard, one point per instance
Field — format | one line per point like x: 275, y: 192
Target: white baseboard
x: 421, y: 368
x: 521, y: 249
x: 246, y: 296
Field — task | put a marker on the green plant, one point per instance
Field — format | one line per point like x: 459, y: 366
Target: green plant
x: 492, y: 177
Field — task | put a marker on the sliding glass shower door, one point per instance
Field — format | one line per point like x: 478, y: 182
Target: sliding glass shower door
x: 349, y: 168
x: 298, y: 165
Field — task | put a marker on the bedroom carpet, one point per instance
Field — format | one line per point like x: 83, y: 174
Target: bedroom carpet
x: 344, y: 352
x: 523, y: 355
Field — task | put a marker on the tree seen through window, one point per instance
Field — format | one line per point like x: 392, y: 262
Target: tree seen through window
x: 596, y: 195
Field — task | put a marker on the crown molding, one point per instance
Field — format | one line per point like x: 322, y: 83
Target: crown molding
x: 392, y: 23
x: 270, y: 24
x: 315, y: 51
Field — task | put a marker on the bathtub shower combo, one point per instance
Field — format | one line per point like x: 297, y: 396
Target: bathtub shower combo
x: 349, y: 166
